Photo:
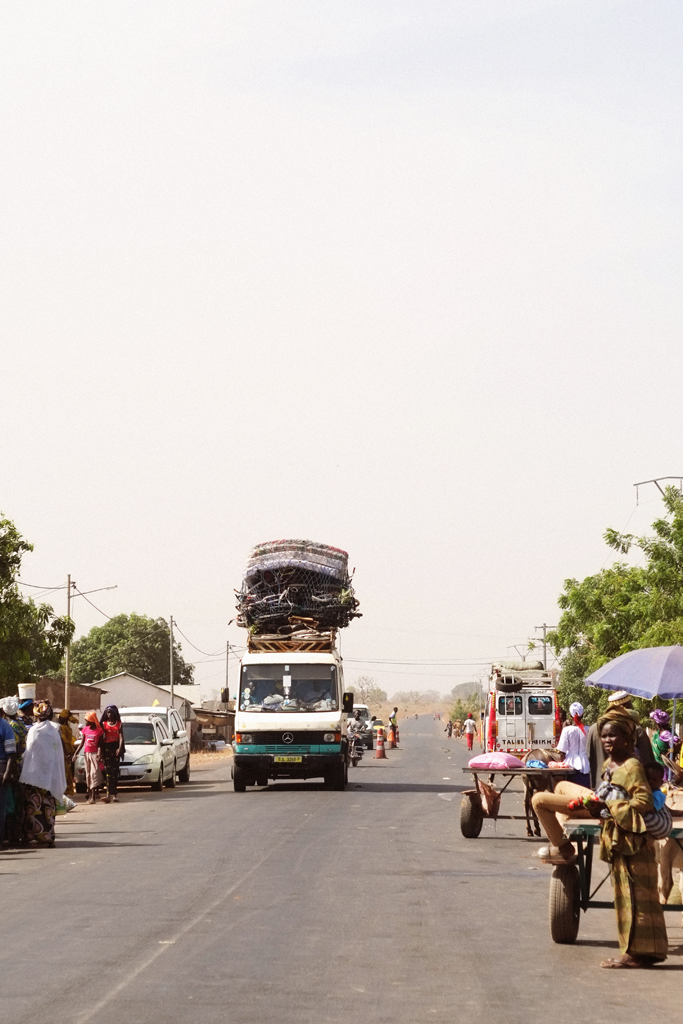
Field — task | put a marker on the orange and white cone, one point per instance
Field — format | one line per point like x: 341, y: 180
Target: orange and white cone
x: 391, y: 741
x: 380, y: 752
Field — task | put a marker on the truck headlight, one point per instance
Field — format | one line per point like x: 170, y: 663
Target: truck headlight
x: 244, y: 737
x: 331, y: 737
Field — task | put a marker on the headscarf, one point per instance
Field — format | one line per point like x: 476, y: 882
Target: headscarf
x: 623, y: 720
x: 116, y: 717
x: 10, y: 706
x: 469, y: 714
x: 66, y: 716
x: 668, y: 737
x: 26, y: 704
x: 91, y: 716
x: 576, y: 711
x: 659, y: 717
x: 43, y: 711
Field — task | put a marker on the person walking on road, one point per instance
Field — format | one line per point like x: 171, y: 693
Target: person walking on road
x: 112, y: 750
x: 91, y: 740
x: 469, y: 729
x: 449, y: 728
x: 572, y: 743
x: 42, y: 776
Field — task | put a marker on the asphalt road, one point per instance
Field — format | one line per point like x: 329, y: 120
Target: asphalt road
x: 294, y: 904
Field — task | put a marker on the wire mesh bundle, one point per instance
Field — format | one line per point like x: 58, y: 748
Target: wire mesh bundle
x: 294, y: 585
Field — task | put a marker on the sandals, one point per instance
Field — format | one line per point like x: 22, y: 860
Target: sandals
x: 623, y: 964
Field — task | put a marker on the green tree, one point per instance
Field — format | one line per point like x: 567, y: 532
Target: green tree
x: 129, y: 643
x: 463, y: 707
x: 32, y: 637
x: 622, y: 608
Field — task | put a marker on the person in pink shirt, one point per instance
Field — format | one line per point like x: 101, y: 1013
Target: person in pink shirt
x: 92, y: 734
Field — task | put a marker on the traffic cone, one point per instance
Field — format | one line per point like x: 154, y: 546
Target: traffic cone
x: 396, y: 733
x: 380, y: 744
x: 391, y: 741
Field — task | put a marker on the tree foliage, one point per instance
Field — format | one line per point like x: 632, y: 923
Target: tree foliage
x: 129, y: 643
x: 32, y: 637
x: 463, y: 706
x: 418, y: 697
x: 622, y: 608
x: 368, y: 692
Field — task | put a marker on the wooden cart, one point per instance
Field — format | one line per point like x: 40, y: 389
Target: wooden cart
x: 570, y: 884
x: 472, y: 811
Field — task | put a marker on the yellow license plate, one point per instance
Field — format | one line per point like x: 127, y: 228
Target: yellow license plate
x: 290, y: 759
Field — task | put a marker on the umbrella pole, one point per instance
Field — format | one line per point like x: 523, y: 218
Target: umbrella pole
x: 673, y: 732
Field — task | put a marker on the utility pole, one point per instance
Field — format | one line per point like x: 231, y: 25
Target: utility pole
x: 545, y: 627
x: 170, y: 623
x: 67, y: 658
x: 227, y: 663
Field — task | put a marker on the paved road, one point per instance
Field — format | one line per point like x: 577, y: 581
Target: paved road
x: 293, y: 905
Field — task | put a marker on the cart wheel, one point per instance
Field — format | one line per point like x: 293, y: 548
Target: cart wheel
x: 471, y: 814
x: 564, y: 904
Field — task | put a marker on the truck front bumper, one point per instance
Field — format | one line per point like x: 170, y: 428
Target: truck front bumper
x: 311, y: 766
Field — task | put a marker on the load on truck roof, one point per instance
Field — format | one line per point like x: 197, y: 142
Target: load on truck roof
x: 295, y: 587
x: 513, y: 675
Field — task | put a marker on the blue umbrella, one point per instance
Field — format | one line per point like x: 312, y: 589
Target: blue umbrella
x: 648, y: 672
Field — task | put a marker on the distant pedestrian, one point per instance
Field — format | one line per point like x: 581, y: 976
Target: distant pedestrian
x: 449, y: 728
x: 470, y: 729
x: 112, y: 750
x: 91, y: 740
x: 572, y: 743
x: 42, y: 776
x: 68, y: 746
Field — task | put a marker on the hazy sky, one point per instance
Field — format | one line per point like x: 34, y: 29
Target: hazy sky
x: 402, y: 277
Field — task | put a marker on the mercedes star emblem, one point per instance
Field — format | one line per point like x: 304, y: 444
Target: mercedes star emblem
x: 287, y: 737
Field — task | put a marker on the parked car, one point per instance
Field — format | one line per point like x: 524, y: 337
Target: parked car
x: 149, y: 758
x: 178, y: 733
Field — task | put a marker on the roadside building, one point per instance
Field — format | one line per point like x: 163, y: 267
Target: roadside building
x: 129, y: 691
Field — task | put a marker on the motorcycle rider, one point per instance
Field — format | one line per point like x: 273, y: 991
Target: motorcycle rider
x: 355, y: 727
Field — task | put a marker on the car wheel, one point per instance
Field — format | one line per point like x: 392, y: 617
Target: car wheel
x: 239, y: 779
x: 184, y: 773
x: 170, y: 781
x: 159, y: 784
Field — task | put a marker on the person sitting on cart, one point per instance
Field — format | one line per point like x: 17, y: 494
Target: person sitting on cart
x: 595, y: 749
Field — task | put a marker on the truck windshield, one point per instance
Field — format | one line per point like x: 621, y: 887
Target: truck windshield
x: 288, y: 688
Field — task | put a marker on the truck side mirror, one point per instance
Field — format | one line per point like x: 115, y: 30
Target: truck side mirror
x: 347, y: 703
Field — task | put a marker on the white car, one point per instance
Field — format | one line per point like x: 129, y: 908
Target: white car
x: 149, y: 758
x: 176, y: 730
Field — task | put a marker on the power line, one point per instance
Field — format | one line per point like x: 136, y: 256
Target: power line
x: 212, y: 655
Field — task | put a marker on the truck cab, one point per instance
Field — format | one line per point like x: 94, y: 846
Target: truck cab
x: 290, y: 718
x: 521, y: 708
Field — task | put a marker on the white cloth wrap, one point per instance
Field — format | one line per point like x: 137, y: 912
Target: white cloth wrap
x: 43, y: 763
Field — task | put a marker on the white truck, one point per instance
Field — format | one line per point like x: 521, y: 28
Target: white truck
x: 521, y: 708
x: 291, y: 713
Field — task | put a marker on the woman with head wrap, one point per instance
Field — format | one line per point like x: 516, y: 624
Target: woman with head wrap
x: 626, y: 846
x: 68, y: 746
x: 90, y: 742
x: 42, y: 776
x: 572, y: 744
x: 112, y: 750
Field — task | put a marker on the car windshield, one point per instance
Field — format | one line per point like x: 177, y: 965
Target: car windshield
x: 139, y: 733
x: 288, y: 688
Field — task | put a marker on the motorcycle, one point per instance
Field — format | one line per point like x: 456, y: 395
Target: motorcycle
x: 355, y: 749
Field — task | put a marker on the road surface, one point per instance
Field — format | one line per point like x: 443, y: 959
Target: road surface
x: 294, y: 904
